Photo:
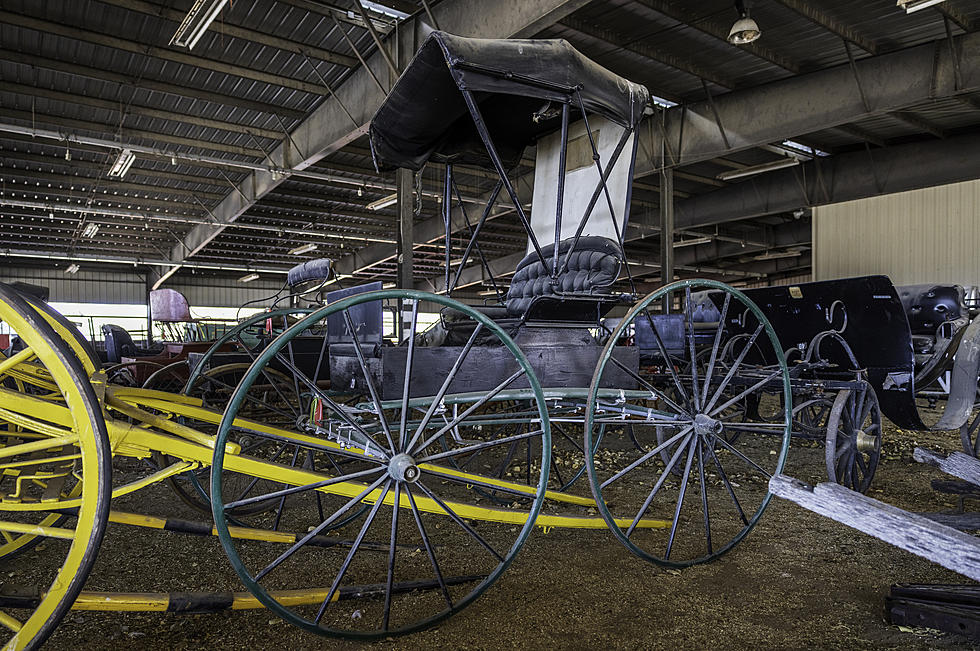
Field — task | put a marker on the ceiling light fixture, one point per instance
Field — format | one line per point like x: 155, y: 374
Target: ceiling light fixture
x: 745, y: 30
x: 793, y: 253
x: 911, y: 6
x: 758, y: 169
x: 123, y: 162
x: 693, y: 241
x: 196, y: 22
x: 247, y: 278
x: 72, y: 268
x: 305, y: 248
x: 383, y: 203
x: 90, y: 230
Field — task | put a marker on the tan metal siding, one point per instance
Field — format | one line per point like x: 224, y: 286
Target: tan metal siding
x: 929, y: 235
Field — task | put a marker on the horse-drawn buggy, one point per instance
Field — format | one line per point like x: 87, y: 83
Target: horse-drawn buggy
x: 367, y: 487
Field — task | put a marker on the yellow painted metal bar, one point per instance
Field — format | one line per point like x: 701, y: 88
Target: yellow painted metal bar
x: 132, y: 487
x: 245, y: 533
x: 19, y: 358
x: 555, y: 496
x: 34, y: 446
x: 10, y: 622
x: 22, y: 403
x: 206, y: 415
x: 37, y: 530
x: 34, y: 462
x: 165, y: 424
x: 160, y: 601
x: 139, y: 396
x: 198, y: 446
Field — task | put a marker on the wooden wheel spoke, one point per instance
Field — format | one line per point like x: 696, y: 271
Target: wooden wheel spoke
x: 680, y: 498
x: 695, y: 390
x: 728, y: 485
x: 741, y: 456
x: 466, y: 412
x: 647, y: 456
x: 353, y: 552
x: 660, y: 482
x: 369, y: 382
x: 714, y: 348
x: 704, y: 495
x: 430, y: 552
x: 458, y: 520
x: 299, y: 544
x: 480, y: 446
x: 734, y: 367
x: 245, y: 501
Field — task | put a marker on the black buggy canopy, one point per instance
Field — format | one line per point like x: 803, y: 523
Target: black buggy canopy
x: 519, y: 86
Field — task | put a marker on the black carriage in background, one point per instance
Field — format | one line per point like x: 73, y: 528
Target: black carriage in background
x: 859, y: 348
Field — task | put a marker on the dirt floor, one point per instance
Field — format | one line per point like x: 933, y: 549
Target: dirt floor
x: 798, y: 581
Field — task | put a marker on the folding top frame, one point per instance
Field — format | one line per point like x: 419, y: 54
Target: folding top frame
x: 482, y: 102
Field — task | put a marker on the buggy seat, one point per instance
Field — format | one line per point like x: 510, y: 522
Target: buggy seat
x: 593, y: 265
x: 578, y: 296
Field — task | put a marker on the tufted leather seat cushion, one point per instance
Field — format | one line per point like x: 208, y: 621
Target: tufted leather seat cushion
x: 929, y: 306
x: 595, y: 263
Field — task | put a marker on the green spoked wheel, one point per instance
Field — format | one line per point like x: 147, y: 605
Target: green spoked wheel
x: 695, y: 457
x: 213, y: 378
x: 55, y: 455
x: 428, y: 543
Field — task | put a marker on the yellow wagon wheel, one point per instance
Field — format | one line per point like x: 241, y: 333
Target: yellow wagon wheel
x: 55, y: 455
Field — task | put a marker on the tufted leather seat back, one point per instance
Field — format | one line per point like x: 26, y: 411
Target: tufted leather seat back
x: 595, y: 263
x: 929, y: 306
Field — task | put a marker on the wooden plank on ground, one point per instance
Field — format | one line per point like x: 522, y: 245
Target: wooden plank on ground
x: 957, y: 464
x: 921, y: 536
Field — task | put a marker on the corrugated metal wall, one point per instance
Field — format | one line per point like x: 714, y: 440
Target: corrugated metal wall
x: 930, y: 235
x: 81, y: 287
x: 788, y: 280
x: 130, y: 288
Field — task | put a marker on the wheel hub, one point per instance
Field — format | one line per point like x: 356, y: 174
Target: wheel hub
x: 705, y: 425
x: 866, y: 442
x: 402, y: 467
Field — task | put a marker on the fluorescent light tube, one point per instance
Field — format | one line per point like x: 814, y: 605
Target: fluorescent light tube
x: 383, y: 203
x: 72, y: 268
x: 247, y: 278
x: 90, y: 230
x: 123, y: 162
x: 196, y: 22
x: 911, y: 6
x: 305, y: 248
x: 758, y: 169
x: 693, y: 241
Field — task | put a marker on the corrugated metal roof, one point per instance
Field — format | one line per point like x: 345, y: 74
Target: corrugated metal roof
x: 99, y: 69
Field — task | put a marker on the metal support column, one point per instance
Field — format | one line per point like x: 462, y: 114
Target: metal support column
x: 404, y: 181
x: 666, y: 230
x: 149, y: 280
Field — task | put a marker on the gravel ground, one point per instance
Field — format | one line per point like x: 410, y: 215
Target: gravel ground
x: 797, y: 581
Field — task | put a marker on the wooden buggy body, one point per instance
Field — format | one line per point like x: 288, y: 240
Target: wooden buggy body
x: 407, y: 477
